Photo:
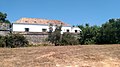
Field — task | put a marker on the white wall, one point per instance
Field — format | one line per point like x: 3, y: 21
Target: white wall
x: 38, y: 28
x: 64, y: 29
x: 32, y: 28
x: 76, y: 28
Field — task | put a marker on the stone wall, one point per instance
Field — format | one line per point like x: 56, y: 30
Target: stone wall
x: 4, y: 32
x: 32, y: 37
x: 36, y: 38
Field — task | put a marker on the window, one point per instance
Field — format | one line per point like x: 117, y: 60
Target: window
x: 35, y: 22
x: 80, y: 31
x: 26, y: 21
x: 76, y: 31
x: 26, y: 29
x: 67, y: 30
x: 44, y: 30
x: 50, y: 29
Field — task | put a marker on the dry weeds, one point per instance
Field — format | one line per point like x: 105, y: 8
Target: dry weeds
x: 61, y: 56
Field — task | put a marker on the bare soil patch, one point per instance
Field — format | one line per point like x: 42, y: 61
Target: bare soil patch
x: 61, y: 56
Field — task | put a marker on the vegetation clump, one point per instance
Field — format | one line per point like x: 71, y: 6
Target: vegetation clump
x: 62, y: 39
x: 108, y: 33
x: 13, y: 40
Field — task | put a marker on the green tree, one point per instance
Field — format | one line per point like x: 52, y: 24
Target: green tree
x: 62, y: 39
x: 109, y: 32
x: 54, y: 37
x: 3, y: 17
x: 88, y: 34
x: 4, y: 24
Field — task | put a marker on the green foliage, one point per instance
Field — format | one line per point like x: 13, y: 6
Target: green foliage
x: 88, y: 34
x: 69, y: 39
x: 13, y: 40
x: 109, y: 32
x: 62, y: 39
x: 2, y: 41
x: 3, y: 17
x: 37, y: 45
x: 54, y: 37
x: 4, y: 24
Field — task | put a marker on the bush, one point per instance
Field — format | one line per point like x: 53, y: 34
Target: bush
x: 58, y: 39
x: 69, y: 39
x: 13, y: 40
x: 65, y: 39
x: 2, y: 41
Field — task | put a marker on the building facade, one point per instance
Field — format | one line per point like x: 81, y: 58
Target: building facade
x: 41, y: 25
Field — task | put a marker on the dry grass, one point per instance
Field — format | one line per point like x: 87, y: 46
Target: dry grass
x: 61, y: 56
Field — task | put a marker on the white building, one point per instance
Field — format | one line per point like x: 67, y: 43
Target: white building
x: 41, y: 25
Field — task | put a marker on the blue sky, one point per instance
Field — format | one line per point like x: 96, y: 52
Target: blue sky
x: 74, y: 12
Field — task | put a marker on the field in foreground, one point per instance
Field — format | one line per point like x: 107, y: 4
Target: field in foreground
x: 61, y: 56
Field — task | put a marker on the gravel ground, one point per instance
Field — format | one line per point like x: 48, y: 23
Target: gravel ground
x: 61, y: 56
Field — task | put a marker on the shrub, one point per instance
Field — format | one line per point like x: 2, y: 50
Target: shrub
x: 2, y: 41
x: 16, y: 40
x: 64, y: 39
x: 13, y: 40
x: 69, y: 39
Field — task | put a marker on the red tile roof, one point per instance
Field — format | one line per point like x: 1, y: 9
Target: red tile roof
x: 40, y: 21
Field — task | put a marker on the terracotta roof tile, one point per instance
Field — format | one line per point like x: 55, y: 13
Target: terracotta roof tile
x: 40, y: 21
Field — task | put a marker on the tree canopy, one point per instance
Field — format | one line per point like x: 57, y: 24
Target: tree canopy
x: 3, y: 17
x: 108, y: 33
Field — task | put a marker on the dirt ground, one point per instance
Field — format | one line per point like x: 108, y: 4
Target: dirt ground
x: 61, y: 56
